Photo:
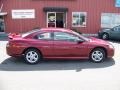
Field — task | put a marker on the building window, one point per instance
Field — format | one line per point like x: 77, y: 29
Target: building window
x: 2, y: 24
x: 109, y: 20
x: 79, y: 19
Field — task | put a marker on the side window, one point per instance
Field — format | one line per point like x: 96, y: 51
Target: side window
x: 44, y: 36
x: 65, y: 36
x: 117, y: 29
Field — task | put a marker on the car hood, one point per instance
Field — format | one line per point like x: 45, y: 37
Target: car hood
x: 98, y: 41
x: 106, y: 29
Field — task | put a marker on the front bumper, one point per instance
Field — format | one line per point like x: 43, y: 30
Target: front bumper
x: 110, y: 52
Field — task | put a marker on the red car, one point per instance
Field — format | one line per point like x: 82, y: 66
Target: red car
x: 58, y: 43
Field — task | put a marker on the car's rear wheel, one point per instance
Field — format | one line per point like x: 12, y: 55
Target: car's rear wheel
x: 97, y: 55
x: 105, y: 36
x: 32, y: 56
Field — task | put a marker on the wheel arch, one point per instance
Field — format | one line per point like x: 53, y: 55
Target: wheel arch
x: 32, y: 48
x: 106, y: 33
x: 99, y: 47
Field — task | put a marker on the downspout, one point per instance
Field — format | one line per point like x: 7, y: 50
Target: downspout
x: 1, y: 7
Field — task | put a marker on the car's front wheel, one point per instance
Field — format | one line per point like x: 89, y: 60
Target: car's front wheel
x: 32, y: 56
x: 105, y: 36
x: 97, y: 55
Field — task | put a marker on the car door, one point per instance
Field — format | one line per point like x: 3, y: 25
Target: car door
x: 119, y: 33
x: 66, y: 45
x: 44, y: 41
x: 115, y: 33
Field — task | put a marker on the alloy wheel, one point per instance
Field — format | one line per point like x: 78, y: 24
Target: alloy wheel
x: 105, y: 36
x: 97, y: 55
x: 32, y: 56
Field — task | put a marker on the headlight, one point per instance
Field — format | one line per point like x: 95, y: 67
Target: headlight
x: 7, y: 45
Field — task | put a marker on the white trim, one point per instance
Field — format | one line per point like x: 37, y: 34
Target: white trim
x: 55, y: 19
x: 3, y: 13
x: 46, y: 19
x: 66, y: 20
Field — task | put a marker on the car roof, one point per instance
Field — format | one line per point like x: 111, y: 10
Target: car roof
x: 46, y: 30
x: 56, y: 29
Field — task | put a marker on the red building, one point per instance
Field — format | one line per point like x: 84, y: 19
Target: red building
x: 88, y: 16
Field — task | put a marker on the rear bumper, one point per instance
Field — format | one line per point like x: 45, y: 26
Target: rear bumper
x: 11, y: 53
x: 13, y: 50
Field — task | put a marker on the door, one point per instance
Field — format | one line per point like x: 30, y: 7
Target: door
x: 51, y: 19
x: 56, y: 19
x: 66, y: 45
x: 60, y: 20
x: 44, y: 41
x: 115, y: 33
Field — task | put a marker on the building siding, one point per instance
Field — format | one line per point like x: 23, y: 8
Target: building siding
x: 94, y: 8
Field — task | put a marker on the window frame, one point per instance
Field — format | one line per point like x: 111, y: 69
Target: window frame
x: 37, y: 35
x: 3, y: 24
x: 117, y: 28
x: 66, y: 39
x: 110, y: 20
x: 79, y: 17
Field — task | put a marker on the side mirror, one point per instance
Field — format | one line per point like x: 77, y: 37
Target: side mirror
x: 36, y: 37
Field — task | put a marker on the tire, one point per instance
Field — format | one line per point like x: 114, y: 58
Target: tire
x: 105, y: 36
x: 32, y: 56
x: 97, y: 55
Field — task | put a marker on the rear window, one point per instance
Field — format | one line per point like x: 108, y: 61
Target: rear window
x: 30, y: 32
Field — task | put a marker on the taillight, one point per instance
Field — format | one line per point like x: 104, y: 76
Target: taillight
x: 13, y: 35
